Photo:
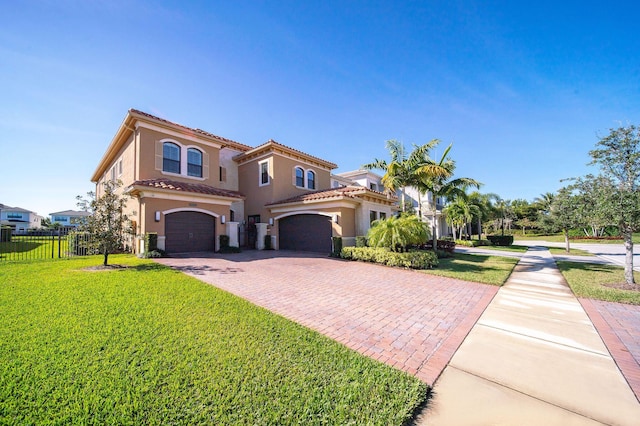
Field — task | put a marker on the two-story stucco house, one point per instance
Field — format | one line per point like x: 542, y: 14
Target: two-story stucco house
x: 190, y: 186
x: 19, y: 219
x: 68, y: 218
x: 421, y: 203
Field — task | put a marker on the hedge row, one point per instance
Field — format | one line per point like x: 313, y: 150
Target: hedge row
x: 473, y: 243
x: 500, y: 240
x: 383, y: 256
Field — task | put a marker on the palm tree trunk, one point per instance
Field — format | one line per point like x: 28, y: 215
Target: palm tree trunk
x: 479, y: 229
x: 434, y: 236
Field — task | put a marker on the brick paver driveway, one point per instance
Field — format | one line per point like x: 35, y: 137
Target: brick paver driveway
x: 407, y: 319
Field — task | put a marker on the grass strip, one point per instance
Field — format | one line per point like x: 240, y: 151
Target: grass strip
x: 589, y: 280
x: 149, y: 345
x: 477, y: 268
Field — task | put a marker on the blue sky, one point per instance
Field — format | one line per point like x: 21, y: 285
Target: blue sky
x: 521, y: 89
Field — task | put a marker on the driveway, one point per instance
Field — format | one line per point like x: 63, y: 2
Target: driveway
x: 406, y: 319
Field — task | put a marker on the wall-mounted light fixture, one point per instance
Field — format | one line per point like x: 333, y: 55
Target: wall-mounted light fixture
x: 271, y: 221
x: 223, y: 219
x: 157, y: 216
x: 334, y: 218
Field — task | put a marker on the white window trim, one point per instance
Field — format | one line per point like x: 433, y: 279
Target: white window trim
x: 184, y: 162
x: 260, y: 163
x: 304, y: 177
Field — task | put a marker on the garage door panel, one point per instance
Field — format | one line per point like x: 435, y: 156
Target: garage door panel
x: 305, y: 232
x: 189, y: 232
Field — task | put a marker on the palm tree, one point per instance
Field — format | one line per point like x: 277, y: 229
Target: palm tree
x: 459, y: 213
x: 544, y: 201
x: 397, y: 233
x: 435, y: 177
x: 484, y: 204
x: 400, y: 172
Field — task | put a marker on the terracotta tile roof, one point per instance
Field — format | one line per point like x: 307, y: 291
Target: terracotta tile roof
x: 271, y: 143
x: 191, y: 129
x: 342, y: 192
x: 197, y: 188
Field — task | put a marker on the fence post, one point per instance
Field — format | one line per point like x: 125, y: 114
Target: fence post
x: 53, y: 243
x: 59, y: 243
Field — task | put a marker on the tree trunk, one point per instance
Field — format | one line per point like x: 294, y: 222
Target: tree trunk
x: 404, y: 207
x: 479, y: 229
x: 628, y: 258
x: 566, y: 240
x: 419, y: 206
x: 434, y: 236
x: 453, y: 228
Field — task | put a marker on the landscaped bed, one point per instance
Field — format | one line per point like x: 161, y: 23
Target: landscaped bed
x: 146, y: 344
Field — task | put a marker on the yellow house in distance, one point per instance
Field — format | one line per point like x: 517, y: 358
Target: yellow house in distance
x: 190, y: 186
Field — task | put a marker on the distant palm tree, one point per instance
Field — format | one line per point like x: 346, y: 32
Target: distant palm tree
x: 459, y: 213
x: 544, y: 201
x: 401, y: 171
x: 436, y: 178
x: 485, y: 207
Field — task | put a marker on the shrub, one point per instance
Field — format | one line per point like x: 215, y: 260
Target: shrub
x: 224, y: 242
x: 5, y: 234
x: 398, y: 233
x: 473, y: 243
x: 500, y: 240
x: 442, y: 245
x: 383, y: 256
x: 361, y: 241
x: 150, y: 241
x: 336, y: 245
x: 153, y: 254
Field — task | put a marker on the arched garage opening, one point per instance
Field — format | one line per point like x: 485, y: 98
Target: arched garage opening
x: 189, y: 231
x: 305, y: 232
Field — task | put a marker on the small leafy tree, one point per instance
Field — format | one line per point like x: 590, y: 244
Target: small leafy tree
x: 562, y: 215
x: 618, y: 155
x: 108, y: 224
x: 397, y: 233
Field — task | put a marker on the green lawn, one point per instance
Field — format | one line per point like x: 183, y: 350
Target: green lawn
x: 573, y: 252
x: 586, y: 279
x: 149, y: 345
x: 559, y: 238
x: 33, y: 247
x: 478, y: 268
x: 514, y: 248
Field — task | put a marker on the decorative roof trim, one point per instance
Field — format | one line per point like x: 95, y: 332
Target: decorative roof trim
x: 272, y: 146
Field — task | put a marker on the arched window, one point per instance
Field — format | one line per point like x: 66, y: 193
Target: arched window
x: 299, y: 177
x: 170, y: 158
x: 311, y: 180
x: 194, y: 162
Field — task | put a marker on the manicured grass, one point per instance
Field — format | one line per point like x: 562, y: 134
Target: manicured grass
x: 149, y: 345
x: 560, y: 239
x: 34, y: 247
x: 470, y: 267
x: 586, y: 279
x: 573, y: 252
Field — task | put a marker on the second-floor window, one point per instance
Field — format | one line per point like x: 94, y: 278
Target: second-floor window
x: 311, y: 180
x: 299, y: 177
x: 194, y: 162
x: 264, y: 173
x: 171, y: 158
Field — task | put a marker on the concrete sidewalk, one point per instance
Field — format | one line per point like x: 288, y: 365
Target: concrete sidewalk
x: 533, y: 358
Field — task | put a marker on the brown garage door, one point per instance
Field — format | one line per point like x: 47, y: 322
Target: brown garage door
x: 305, y: 232
x: 189, y: 232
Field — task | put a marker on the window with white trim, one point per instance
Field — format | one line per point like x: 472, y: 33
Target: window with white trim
x: 194, y: 162
x: 311, y: 179
x: 373, y: 215
x: 170, y: 158
x: 299, y: 177
x: 263, y: 170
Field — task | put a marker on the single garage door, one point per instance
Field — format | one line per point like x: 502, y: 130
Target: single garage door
x: 189, y: 232
x: 305, y: 232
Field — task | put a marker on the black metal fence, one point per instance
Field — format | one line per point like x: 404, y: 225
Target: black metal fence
x: 34, y: 245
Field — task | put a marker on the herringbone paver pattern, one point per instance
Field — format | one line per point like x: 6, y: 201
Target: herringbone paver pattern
x: 407, y: 319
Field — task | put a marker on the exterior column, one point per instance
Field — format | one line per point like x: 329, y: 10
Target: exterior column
x: 233, y: 232
x: 261, y: 230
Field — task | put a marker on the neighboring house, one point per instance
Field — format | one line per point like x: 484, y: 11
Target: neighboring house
x: 69, y: 218
x: 190, y: 186
x: 419, y: 202
x: 19, y: 219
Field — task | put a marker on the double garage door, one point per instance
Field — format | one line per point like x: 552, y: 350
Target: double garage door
x: 189, y: 232
x: 305, y: 232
